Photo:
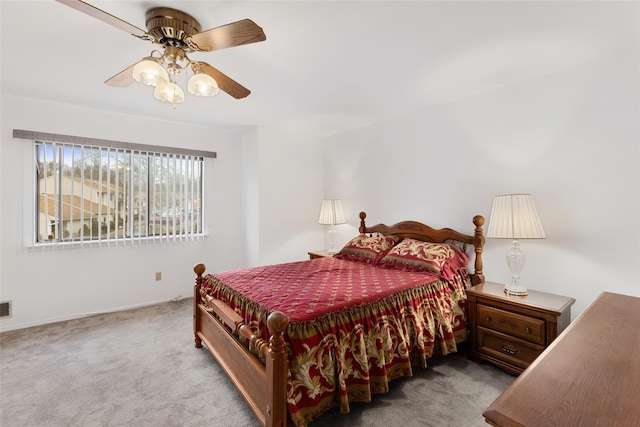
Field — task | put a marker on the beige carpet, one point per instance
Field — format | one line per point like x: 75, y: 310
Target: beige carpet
x: 140, y: 368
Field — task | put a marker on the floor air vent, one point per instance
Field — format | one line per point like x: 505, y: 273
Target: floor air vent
x: 5, y: 308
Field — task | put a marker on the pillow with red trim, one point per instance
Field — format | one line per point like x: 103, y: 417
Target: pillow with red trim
x: 415, y: 255
x: 369, y: 250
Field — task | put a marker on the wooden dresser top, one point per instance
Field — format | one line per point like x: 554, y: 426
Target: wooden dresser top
x: 589, y: 376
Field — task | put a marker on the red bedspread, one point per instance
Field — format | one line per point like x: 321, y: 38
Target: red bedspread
x: 353, y: 327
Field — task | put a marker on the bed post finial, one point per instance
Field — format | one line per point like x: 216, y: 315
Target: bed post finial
x: 276, y: 362
x: 478, y: 243
x: 363, y: 215
x: 199, y: 269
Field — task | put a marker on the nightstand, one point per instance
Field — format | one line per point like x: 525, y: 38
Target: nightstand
x: 318, y: 254
x: 511, y: 331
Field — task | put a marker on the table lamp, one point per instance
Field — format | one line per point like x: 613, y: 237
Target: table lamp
x: 331, y: 214
x: 514, y: 216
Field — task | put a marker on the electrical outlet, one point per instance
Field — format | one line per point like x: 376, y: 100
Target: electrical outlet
x: 158, y: 276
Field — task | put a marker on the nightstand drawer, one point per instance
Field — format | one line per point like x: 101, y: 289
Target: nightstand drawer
x: 507, y: 348
x: 525, y: 327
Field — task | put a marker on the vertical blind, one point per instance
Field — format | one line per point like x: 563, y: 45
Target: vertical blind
x: 88, y: 193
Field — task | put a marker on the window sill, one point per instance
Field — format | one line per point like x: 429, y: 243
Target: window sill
x: 135, y: 241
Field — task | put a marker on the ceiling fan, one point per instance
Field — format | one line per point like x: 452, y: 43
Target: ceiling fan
x: 178, y: 33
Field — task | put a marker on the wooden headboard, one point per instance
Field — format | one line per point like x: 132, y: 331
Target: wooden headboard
x: 419, y: 231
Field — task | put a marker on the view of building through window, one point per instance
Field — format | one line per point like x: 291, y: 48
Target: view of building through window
x: 98, y: 193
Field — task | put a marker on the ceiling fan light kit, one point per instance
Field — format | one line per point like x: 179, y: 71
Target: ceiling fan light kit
x: 161, y: 72
x: 178, y: 33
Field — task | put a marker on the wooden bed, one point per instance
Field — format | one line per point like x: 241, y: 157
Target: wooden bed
x: 259, y: 366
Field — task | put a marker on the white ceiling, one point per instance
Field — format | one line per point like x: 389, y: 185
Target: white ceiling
x: 326, y: 66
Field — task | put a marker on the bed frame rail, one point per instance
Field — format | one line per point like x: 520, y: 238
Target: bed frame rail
x: 215, y: 324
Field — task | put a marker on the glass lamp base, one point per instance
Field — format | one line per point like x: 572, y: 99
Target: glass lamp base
x: 516, y: 290
x: 332, y: 240
x: 515, y: 261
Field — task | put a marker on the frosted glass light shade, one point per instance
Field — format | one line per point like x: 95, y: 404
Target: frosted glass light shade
x: 167, y: 91
x: 202, y: 85
x: 150, y: 72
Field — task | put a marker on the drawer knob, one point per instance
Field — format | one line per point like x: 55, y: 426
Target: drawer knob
x: 487, y: 318
x: 527, y: 330
x: 509, y: 349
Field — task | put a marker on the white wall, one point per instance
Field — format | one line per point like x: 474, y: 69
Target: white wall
x: 46, y: 285
x: 571, y: 139
x: 291, y: 191
x: 284, y: 189
x: 50, y: 285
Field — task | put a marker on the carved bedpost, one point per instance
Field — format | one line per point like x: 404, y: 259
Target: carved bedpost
x: 199, y: 269
x: 478, y: 243
x: 363, y: 215
x: 276, y: 361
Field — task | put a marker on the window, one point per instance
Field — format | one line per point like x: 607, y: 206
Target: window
x: 90, y: 192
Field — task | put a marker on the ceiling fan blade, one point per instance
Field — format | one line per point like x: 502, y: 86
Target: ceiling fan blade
x: 225, y: 83
x: 234, y: 34
x: 103, y: 16
x: 123, y: 78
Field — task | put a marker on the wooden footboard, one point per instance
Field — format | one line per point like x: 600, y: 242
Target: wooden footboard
x: 264, y: 386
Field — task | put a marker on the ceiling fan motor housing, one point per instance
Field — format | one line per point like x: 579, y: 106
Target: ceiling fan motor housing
x: 170, y: 27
